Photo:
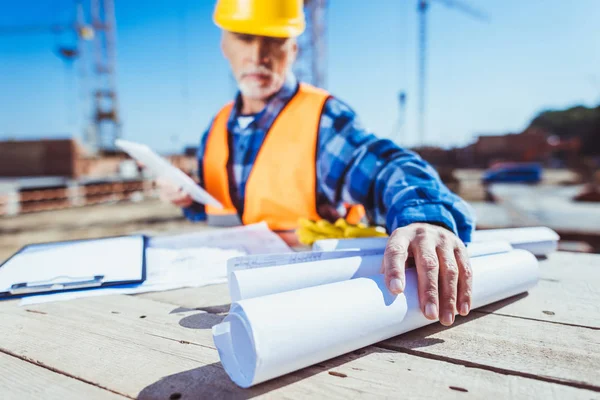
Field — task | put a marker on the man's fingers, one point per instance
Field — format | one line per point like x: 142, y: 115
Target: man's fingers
x: 394, y: 261
x: 183, y: 202
x: 448, y: 282
x: 465, y: 280
x: 427, y: 272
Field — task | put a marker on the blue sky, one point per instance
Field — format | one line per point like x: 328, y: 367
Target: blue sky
x: 482, y: 77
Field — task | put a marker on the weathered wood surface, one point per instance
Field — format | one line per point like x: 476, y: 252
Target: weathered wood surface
x: 158, y: 345
x: 561, y: 344
x: 104, y: 341
x: 568, y: 292
x: 20, y: 380
x: 512, y: 345
x: 213, y: 298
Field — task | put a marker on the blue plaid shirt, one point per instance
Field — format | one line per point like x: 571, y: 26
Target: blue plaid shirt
x: 395, y: 185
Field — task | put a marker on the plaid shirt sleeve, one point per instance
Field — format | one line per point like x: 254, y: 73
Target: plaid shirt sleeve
x: 395, y: 185
x: 196, y: 211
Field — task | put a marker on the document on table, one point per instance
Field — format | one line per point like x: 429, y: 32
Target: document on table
x: 540, y: 241
x: 271, y: 335
x: 355, y: 262
x: 253, y: 276
x: 248, y: 239
x: 189, y: 260
x: 57, y: 266
x: 162, y: 168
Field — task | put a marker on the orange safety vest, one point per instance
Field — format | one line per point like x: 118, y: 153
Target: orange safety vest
x: 281, y: 187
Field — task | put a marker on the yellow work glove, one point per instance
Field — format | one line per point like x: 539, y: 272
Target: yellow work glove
x: 311, y: 231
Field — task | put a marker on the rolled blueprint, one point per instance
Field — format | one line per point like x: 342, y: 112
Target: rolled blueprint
x: 248, y: 283
x: 540, y: 240
x: 269, y: 336
x: 480, y: 248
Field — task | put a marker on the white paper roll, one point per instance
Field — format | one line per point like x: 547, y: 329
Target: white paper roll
x: 269, y: 336
x: 246, y: 284
x: 540, y: 240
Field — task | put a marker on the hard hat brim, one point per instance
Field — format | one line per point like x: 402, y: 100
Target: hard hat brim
x: 289, y: 29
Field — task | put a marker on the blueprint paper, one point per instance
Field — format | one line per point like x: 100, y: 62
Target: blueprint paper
x: 273, y: 260
x: 166, y: 270
x: 118, y: 259
x: 249, y: 283
x: 261, y: 275
x: 248, y: 239
x: 162, y: 168
x: 541, y: 240
x: 481, y: 248
x: 350, y: 244
x: 269, y: 336
x: 188, y: 260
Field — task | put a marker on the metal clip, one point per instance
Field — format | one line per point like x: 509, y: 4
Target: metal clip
x: 48, y: 286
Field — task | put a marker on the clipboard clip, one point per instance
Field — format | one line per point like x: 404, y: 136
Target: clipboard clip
x: 47, y: 286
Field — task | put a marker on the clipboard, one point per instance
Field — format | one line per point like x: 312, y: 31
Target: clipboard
x: 74, y: 265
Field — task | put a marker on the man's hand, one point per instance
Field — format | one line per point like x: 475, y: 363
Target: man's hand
x: 170, y: 193
x: 443, y: 269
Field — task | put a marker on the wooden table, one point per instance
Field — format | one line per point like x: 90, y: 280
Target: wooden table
x: 545, y: 344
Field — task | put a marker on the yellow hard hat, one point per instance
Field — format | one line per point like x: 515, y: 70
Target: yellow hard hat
x: 279, y: 18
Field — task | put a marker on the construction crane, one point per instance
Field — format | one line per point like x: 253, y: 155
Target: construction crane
x: 106, y: 117
x: 311, y: 64
x: 105, y: 122
x: 422, y: 8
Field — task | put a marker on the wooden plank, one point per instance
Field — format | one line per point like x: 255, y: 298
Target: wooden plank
x: 571, y: 267
x: 574, y: 303
x: 157, y: 357
x: 567, y: 292
x: 213, y: 298
x: 22, y: 380
x: 556, y: 352
x: 370, y: 373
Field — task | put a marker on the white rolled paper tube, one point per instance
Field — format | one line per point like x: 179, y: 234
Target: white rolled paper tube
x: 266, y: 337
x: 350, y: 244
x: 475, y: 249
x: 246, y: 284
x: 249, y: 283
x: 538, y: 240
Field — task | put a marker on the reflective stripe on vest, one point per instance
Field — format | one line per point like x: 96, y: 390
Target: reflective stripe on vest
x: 281, y: 187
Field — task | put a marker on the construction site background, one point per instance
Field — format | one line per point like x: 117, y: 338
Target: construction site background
x: 66, y: 188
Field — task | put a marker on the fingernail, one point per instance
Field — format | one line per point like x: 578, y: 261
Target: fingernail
x: 396, y: 285
x: 464, y: 309
x: 431, y: 311
x: 448, y: 318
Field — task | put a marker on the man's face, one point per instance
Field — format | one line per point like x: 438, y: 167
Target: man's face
x: 259, y: 63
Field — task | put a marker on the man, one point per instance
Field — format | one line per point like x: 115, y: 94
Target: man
x: 283, y: 151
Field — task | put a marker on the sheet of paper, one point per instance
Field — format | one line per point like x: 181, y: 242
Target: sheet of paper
x: 306, y: 269
x: 167, y: 269
x: 273, y: 260
x: 162, y: 168
x: 269, y: 336
x: 249, y: 283
x: 117, y: 259
x: 188, y: 260
x: 480, y: 248
x: 249, y: 239
x: 540, y: 240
